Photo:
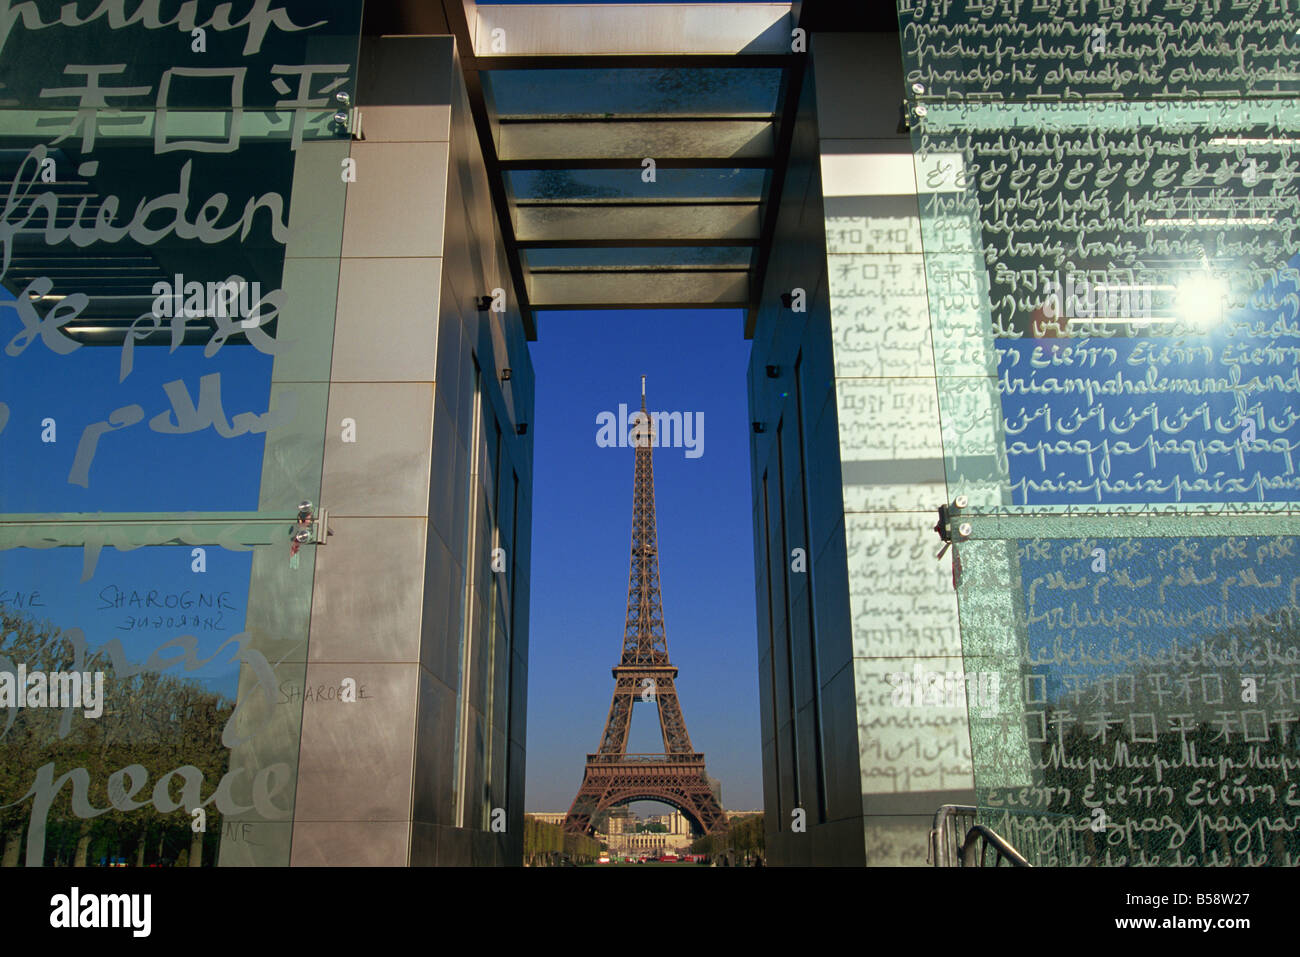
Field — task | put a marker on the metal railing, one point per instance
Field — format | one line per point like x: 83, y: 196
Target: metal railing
x: 957, y: 841
x: 980, y: 840
x: 952, y: 822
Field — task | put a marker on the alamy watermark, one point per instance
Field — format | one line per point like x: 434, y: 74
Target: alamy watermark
x: 679, y: 430
x: 1095, y: 299
x: 943, y: 689
x: 230, y: 299
x: 54, y: 689
x: 75, y: 909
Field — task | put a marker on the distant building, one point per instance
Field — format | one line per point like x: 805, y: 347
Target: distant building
x: 622, y: 837
x: 547, y: 817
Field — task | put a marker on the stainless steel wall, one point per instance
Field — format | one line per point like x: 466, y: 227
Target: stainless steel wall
x: 421, y: 594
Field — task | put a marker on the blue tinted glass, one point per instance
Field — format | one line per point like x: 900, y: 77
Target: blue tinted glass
x: 140, y: 599
x: 713, y: 91
x: 580, y: 184
x: 1157, y: 418
x: 140, y: 296
x: 147, y: 658
x: 154, y: 464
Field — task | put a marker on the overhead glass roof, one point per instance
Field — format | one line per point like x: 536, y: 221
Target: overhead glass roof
x: 576, y: 120
x: 664, y: 137
x: 605, y: 92
x: 640, y: 257
x: 612, y: 185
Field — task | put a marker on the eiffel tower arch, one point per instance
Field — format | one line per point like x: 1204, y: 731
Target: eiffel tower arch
x: 676, y: 777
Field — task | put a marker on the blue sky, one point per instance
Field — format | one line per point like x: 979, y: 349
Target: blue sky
x: 586, y: 363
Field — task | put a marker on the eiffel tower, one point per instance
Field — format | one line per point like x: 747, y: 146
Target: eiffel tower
x: 676, y: 777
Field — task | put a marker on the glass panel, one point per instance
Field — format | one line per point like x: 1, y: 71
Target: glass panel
x: 169, y: 249
x: 610, y: 184
x: 1133, y: 700
x: 152, y: 336
x: 673, y: 222
x: 625, y: 288
x: 1110, y: 278
x: 601, y: 93
x: 1219, y: 51
x: 1138, y: 349
x: 198, y: 467
x: 240, y: 55
x: 141, y: 685
x: 643, y: 257
x: 662, y: 139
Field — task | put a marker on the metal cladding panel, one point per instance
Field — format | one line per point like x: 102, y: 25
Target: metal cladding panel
x: 681, y: 28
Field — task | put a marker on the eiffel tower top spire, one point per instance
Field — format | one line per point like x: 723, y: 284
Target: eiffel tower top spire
x: 644, y: 641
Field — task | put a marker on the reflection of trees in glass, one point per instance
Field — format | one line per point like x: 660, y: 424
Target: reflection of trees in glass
x: 156, y: 721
